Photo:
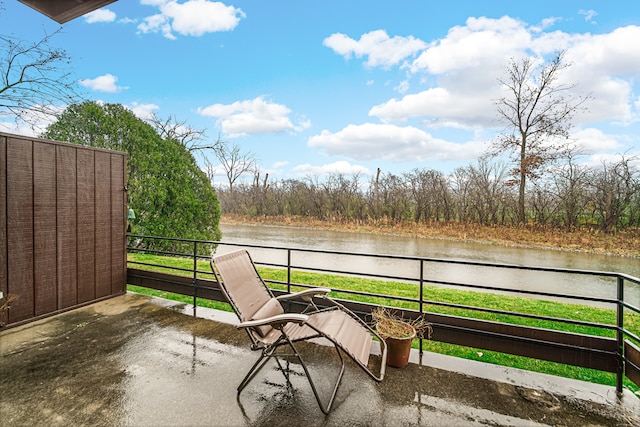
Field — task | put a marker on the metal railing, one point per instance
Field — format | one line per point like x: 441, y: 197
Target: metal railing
x: 611, y: 348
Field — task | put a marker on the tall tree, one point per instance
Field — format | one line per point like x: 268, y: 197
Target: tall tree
x: 35, y: 81
x: 171, y: 195
x: 234, y: 161
x: 172, y: 128
x: 537, y: 112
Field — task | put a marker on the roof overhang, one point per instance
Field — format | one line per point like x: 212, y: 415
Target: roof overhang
x: 62, y: 11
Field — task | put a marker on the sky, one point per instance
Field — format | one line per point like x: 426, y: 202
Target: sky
x: 322, y: 87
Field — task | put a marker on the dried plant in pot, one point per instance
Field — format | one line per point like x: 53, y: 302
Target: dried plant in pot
x: 398, y: 333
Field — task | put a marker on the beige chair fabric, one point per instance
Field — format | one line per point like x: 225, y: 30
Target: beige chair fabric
x: 263, y: 317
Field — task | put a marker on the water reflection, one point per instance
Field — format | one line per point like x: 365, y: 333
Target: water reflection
x: 592, y: 286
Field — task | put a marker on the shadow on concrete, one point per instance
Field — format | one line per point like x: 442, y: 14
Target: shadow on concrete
x: 140, y: 361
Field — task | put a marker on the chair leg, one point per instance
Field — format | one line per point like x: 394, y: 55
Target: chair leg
x: 271, y: 352
x: 262, y: 360
x: 324, y: 408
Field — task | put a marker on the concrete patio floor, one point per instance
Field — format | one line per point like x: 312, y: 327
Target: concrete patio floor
x: 140, y: 361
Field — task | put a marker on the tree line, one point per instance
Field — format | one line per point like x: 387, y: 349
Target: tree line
x: 570, y: 196
x: 543, y: 183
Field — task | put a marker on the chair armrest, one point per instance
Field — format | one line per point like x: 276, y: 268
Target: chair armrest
x: 275, y: 320
x: 305, y: 295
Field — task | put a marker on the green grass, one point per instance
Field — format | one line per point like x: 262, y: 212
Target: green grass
x: 437, y: 294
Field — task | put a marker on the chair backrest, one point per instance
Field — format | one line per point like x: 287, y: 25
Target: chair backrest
x: 243, y: 286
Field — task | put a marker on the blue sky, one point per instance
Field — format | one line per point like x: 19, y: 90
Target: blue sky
x: 316, y: 87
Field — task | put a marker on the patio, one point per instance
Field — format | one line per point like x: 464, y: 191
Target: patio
x: 134, y: 360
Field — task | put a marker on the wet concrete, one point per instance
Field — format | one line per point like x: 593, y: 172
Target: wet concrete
x: 139, y: 361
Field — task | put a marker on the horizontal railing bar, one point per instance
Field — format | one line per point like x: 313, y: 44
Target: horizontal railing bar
x: 189, y: 270
x: 405, y: 257
x: 352, y: 292
x: 534, y: 340
x: 631, y: 307
x: 439, y: 282
x: 631, y: 334
x: 351, y: 273
x: 524, y: 291
x: 159, y: 252
x: 524, y: 315
x: 462, y: 307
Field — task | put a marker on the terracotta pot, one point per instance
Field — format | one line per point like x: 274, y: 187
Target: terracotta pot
x: 398, y: 350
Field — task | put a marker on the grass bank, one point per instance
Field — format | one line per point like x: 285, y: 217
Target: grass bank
x: 438, y: 294
x: 624, y: 243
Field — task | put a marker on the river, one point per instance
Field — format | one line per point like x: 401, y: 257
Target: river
x: 372, y: 243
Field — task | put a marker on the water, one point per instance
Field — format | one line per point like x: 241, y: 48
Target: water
x: 593, y: 286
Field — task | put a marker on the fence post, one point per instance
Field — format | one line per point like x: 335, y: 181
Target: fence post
x: 288, y: 270
x: 195, y: 276
x: 620, y: 336
x: 421, y: 297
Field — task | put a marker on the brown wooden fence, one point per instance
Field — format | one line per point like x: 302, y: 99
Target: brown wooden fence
x: 62, y: 226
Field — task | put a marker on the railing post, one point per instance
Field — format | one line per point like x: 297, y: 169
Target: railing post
x: 620, y: 336
x: 195, y: 276
x: 288, y: 270
x: 421, y: 297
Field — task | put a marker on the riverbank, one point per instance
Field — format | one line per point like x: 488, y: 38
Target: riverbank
x: 625, y: 243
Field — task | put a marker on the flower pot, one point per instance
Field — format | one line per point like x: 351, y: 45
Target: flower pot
x: 398, y: 350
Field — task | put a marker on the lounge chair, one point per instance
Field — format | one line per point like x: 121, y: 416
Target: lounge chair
x: 268, y: 325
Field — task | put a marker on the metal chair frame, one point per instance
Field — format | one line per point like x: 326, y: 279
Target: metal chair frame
x: 269, y: 348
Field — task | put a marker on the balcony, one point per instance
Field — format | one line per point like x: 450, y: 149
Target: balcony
x: 138, y: 360
x: 77, y: 349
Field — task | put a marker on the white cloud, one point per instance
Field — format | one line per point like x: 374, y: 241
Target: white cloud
x: 191, y: 18
x: 100, y: 15
x: 339, y: 167
x: 106, y: 83
x: 403, y: 87
x: 143, y: 111
x: 441, y: 105
x: 35, y: 121
x: 381, y: 50
x: 254, y: 116
x: 588, y: 15
x: 606, y: 66
x: 592, y: 140
x: 549, y: 22
x: 482, y: 44
x: 127, y: 20
x: 371, y: 141
x: 461, y: 72
x: 599, y: 160
x: 279, y: 165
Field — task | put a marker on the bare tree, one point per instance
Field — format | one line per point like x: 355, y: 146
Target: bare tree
x: 537, y: 113
x: 171, y: 128
x: 34, y: 81
x: 615, y: 187
x: 571, y: 182
x: 234, y: 161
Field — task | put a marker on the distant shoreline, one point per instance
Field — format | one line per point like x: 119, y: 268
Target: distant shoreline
x: 623, y: 244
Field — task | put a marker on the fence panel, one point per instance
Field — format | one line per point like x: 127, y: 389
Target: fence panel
x: 19, y: 213
x: 3, y: 225
x: 103, y: 226
x: 62, y: 223
x: 86, y: 226
x: 44, y: 227
x: 67, y: 237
